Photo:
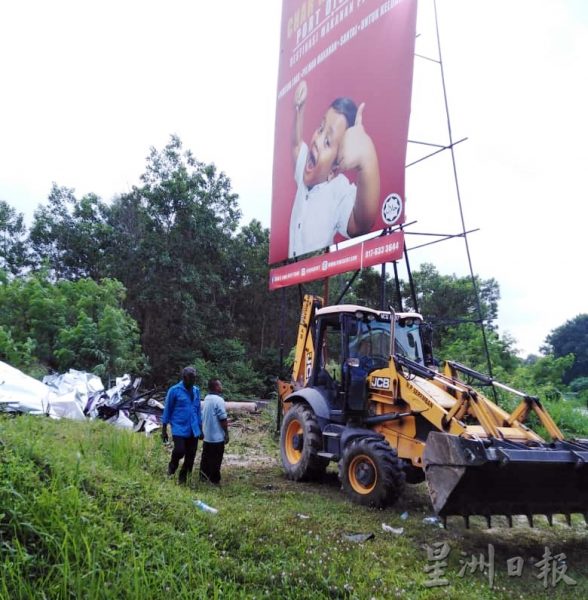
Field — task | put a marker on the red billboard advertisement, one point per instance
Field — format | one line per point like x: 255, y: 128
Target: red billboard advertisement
x: 386, y: 248
x: 342, y: 115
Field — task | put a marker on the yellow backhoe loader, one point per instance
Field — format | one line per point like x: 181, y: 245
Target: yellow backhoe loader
x: 366, y: 394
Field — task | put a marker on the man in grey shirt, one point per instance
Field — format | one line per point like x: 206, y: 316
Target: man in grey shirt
x: 216, y: 432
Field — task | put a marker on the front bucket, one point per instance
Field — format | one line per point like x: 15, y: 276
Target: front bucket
x: 469, y: 477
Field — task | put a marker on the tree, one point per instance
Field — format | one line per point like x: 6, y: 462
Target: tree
x: 448, y: 299
x: 71, y: 236
x: 367, y: 290
x: 14, y: 251
x: 254, y: 309
x: 464, y: 343
x: 570, y: 338
x: 172, y: 240
x: 449, y: 303
x: 68, y: 324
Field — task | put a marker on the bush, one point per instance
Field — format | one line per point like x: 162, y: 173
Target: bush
x: 227, y: 360
x: 579, y: 385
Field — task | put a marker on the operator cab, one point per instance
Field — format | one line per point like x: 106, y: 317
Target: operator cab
x: 408, y: 336
x: 351, y: 342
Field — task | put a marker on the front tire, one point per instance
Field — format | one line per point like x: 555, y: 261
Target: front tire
x: 300, y: 441
x: 371, y: 473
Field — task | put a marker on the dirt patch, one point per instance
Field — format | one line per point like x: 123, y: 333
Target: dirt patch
x: 253, y: 441
x: 249, y: 460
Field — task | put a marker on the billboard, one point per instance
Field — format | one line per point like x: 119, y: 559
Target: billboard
x: 342, y: 115
x: 386, y: 248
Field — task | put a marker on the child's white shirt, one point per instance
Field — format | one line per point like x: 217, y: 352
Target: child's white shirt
x: 320, y: 212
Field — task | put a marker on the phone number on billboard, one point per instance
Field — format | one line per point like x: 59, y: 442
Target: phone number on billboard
x: 385, y: 249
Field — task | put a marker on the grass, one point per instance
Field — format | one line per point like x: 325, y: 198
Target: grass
x: 570, y: 415
x: 86, y: 512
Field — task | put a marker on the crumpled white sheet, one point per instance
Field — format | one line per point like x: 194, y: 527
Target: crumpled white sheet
x: 71, y: 395
x: 121, y: 421
x: 23, y: 393
x: 74, y: 391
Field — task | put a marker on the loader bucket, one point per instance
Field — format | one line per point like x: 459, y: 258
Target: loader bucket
x: 495, y: 477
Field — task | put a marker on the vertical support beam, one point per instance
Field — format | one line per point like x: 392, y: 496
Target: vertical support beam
x: 282, y: 327
x: 326, y: 286
x: 282, y: 333
x: 383, y: 288
x: 410, y: 281
x: 397, y: 286
x: 326, y: 291
x: 464, y: 234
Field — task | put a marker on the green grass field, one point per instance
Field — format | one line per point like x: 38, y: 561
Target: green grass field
x: 86, y: 511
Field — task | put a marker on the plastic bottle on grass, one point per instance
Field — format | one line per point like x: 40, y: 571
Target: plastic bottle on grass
x: 204, y: 507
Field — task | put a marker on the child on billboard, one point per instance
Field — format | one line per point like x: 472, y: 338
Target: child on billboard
x: 326, y: 202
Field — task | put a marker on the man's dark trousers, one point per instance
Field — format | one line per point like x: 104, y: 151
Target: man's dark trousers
x: 210, y: 463
x: 184, y: 447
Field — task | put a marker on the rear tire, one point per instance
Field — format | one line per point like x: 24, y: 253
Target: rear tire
x: 371, y: 473
x: 300, y: 441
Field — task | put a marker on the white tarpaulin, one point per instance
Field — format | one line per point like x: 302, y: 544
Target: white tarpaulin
x: 21, y: 392
x: 121, y: 421
x: 25, y: 394
x: 67, y: 396
x: 76, y: 392
x: 75, y: 395
x: 67, y: 406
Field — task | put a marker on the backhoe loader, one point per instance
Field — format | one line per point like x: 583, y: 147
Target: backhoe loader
x: 366, y: 393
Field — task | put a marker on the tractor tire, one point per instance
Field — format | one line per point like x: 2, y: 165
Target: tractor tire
x: 300, y: 441
x: 371, y: 473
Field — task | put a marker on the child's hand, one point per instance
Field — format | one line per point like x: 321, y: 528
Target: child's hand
x: 300, y: 94
x: 357, y: 148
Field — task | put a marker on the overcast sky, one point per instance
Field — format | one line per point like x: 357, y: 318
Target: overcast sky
x: 88, y: 87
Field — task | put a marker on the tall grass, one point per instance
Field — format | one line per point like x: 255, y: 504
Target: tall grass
x: 568, y: 414
x: 87, y: 512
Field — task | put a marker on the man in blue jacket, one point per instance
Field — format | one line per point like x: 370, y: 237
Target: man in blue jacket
x: 182, y: 410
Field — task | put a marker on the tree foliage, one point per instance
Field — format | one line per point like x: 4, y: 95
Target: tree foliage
x: 543, y: 376
x: 571, y: 338
x: 14, y: 249
x: 449, y: 304
x: 70, y: 236
x: 69, y: 324
x: 171, y: 247
x: 447, y: 300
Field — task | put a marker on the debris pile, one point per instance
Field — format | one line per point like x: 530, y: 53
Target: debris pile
x: 78, y: 395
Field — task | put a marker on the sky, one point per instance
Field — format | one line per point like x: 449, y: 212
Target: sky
x: 88, y: 87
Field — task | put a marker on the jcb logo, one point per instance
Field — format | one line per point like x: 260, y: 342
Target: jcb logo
x: 381, y: 383
x: 308, y: 366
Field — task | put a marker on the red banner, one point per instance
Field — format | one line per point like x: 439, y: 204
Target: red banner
x: 385, y: 248
x: 342, y: 115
